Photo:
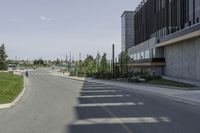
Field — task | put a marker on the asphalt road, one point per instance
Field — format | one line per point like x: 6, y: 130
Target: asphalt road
x: 56, y: 105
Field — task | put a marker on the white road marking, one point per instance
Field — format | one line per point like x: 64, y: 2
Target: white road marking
x: 100, y: 91
x: 164, y: 119
x: 108, y: 104
x: 103, y: 87
x: 140, y: 103
x: 101, y: 96
x: 133, y: 120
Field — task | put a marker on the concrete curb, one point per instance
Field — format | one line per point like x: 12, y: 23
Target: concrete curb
x: 174, y: 98
x: 13, y: 103
x: 139, y: 84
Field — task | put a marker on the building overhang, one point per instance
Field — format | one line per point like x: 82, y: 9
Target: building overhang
x: 153, y: 62
x: 185, y: 34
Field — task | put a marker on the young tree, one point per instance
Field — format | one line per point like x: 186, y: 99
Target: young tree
x: 104, y: 66
x: 3, y: 58
x: 123, y: 60
x: 58, y: 62
x: 89, y: 65
x: 79, y: 68
x: 98, y: 57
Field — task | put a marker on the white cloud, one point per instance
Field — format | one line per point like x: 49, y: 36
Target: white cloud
x: 43, y: 18
x: 17, y: 20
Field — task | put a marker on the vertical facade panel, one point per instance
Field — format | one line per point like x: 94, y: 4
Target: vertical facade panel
x: 158, y: 18
x: 197, y: 11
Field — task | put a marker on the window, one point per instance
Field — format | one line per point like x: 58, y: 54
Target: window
x: 139, y: 56
x: 132, y: 57
x: 147, y: 54
x: 142, y: 55
x: 135, y: 56
x: 153, y: 52
x: 198, y: 20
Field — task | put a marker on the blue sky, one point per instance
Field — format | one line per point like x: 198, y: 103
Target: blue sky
x: 51, y: 28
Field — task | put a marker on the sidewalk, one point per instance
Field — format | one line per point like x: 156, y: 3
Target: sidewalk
x: 181, y: 95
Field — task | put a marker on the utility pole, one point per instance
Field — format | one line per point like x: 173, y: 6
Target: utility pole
x: 73, y: 58
x: 66, y: 60
x: 113, y: 61
x: 70, y: 58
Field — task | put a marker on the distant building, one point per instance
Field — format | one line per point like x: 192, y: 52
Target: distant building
x: 166, y: 38
x: 127, y: 28
x: 12, y: 66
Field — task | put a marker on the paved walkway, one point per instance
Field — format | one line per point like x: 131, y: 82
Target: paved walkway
x: 178, y: 94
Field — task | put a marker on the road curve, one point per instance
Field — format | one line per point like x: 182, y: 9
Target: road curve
x: 56, y: 105
x: 46, y: 107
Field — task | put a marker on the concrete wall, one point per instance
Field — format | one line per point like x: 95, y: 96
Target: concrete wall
x: 127, y: 30
x: 183, y: 60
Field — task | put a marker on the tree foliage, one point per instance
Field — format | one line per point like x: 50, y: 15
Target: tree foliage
x: 94, y: 67
x: 39, y: 62
x: 104, y: 65
x: 123, y: 61
x: 98, y: 57
x: 3, y: 58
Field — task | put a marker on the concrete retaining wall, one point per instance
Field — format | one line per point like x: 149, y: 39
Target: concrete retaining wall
x: 183, y: 60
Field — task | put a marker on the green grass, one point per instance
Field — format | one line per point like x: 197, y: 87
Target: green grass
x: 10, y: 87
x: 169, y: 83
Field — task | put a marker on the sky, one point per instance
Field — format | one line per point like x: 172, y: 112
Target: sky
x: 50, y: 29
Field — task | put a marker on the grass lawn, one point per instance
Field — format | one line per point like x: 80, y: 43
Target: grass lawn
x: 169, y: 83
x: 10, y: 87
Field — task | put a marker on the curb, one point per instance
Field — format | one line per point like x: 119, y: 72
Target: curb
x: 69, y: 77
x: 174, y: 98
x: 9, y: 105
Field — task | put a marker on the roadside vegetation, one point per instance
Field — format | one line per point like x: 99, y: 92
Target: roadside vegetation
x: 146, y: 78
x: 3, y: 58
x: 10, y: 86
x: 101, y: 68
x: 98, y: 67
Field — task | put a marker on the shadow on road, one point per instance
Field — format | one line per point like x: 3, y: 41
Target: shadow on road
x: 106, y: 109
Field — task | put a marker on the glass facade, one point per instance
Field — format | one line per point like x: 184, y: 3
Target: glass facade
x: 163, y: 17
x: 140, y: 55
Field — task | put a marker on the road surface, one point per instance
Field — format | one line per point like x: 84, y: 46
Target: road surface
x: 57, y: 105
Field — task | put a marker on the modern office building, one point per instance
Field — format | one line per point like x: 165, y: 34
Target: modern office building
x: 167, y: 38
x: 127, y: 35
